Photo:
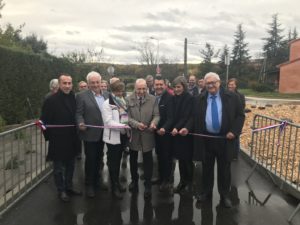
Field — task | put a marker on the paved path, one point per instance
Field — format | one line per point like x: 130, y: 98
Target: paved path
x: 41, y: 206
x: 263, y: 101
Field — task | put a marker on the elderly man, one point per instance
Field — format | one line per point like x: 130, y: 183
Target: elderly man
x: 149, y: 81
x: 89, y: 106
x: 219, y: 113
x: 60, y: 108
x: 143, y: 118
x: 53, y: 87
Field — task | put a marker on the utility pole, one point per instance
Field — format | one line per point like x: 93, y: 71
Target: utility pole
x: 185, y: 58
x: 227, y: 62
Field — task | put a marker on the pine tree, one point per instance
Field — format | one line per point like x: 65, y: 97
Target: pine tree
x: 240, y: 52
x: 274, y: 45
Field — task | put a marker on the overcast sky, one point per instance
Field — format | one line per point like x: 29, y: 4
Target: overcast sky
x: 118, y: 26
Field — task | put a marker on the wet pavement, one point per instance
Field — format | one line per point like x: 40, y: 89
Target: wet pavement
x: 42, y: 207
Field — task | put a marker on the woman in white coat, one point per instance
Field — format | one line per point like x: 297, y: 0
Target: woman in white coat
x: 115, y: 119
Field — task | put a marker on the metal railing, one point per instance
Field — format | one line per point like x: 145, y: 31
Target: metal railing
x: 22, y: 163
x: 277, y: 150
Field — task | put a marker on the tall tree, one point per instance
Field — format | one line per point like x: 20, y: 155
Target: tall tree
x: 274, y: 46
x: 295, y: 33
x: 240, y: 53
x: 224, y: 52
x: 207, y: 53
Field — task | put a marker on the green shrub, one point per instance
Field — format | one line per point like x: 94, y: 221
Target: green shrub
x: 262, y: 87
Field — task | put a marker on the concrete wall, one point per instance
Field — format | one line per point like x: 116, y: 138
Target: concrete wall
x: 289, y: 81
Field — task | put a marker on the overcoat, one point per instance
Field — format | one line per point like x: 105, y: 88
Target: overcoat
x: 59, y: 109
x: 182, y: 118
x: 232, y: 121
x: 146, y: 113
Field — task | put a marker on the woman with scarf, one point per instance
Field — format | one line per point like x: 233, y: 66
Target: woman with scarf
x: 115, y: 119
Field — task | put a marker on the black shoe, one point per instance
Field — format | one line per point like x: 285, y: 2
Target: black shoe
x: 90, y: 192
x: 147, y: 193
x: 179, y: 187
x: 133, y: 187
x: 63, y: 196
x: 74, y: 192
x: 117, y: 194
x: 226, y: 202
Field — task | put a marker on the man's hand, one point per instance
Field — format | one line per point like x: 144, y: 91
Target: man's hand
x: 174, y: 132
x: 230, y: 136
x: 183, y: 132
x: 82, y: 127
x: 161, y: 131
x: 142, y: 126
x: 152, y: 127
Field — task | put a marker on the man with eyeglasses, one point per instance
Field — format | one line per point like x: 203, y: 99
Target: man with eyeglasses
x: 219, y: 114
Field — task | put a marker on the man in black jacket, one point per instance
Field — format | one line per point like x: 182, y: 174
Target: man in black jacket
x: 59, y: 109
x: 163, y: 137
x: 218, y: 113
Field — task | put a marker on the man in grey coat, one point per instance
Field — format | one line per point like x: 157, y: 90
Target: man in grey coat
x: 143, y: 118
x: 88, y: 112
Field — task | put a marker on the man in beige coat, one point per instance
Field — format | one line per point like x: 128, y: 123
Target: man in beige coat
x: 143, y: 118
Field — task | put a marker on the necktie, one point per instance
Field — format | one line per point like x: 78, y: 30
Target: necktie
x: 215, y: 114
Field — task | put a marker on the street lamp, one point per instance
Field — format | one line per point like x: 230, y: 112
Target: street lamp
x: 157, y: 56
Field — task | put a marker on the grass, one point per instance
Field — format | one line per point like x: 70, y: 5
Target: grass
x: 252, y: 93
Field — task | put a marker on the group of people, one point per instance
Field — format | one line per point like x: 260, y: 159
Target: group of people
x: 186, y: 123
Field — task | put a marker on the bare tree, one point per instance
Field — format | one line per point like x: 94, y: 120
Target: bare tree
x: 146, y: 52
x: 2, y: 4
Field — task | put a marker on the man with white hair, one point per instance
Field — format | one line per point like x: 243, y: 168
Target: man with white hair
x: 143, y: 118
x: 89, y: 105
x: 217, y: 112
x: 53, y: 87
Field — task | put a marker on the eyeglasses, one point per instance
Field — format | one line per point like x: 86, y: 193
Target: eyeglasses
x: 213, y: 83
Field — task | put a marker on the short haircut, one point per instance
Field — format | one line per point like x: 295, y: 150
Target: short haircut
x: 211, y: 74
x: 148, y: 77
x: 117, y: 86
x: 92, y: 74
x: 180, y: 80
x: 64, y: 74
x: 233, y: 80
x: 53, y: 84
x: 140, y: 81
x: 160, y: 78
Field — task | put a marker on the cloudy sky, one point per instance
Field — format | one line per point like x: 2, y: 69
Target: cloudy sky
x: 118, y: 26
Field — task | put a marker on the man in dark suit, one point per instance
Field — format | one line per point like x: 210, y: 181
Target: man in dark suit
x: 217, y: 112
x: 163, y: 138
x: 60, y: 109
x: 88, y: 112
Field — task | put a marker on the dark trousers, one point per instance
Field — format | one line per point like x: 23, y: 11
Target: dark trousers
x: 93, y: 159
x: 114, y: 156
x: 63, y: 174
x: 164, y: 157
x: 186, y: 169
x: 215, y: 150
x: 147, y: 165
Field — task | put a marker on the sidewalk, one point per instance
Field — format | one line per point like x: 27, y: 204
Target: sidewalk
x: 42, y: 207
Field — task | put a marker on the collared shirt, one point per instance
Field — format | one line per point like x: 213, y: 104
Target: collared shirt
x: 208, y: 118
x: 99, y: 99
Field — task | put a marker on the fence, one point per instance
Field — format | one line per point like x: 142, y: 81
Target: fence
x: 22, y: 163
x: 277, y: 150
